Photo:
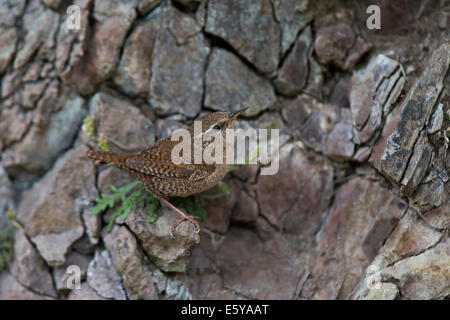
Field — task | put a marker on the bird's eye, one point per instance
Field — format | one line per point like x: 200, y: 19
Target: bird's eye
x: 216, y: 127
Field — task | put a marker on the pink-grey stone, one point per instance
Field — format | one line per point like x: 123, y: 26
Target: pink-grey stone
x: 415, y: 110
x: 29, y: 269
x: 51, y: 210
x: 250, y: 28
x: 176, y: 84
x: 293, y: 74
x: 231, y: 85
x: 289, y: 206
x: 342, y: 254
x: 131, y: 264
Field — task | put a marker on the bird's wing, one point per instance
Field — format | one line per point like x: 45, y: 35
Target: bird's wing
x: 158, y: 163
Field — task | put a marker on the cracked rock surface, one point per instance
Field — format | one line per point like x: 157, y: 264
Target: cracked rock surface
x: 360, y: 205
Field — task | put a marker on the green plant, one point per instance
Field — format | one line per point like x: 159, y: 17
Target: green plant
x: 89, y: 129
x: 103, y: 144
x: 88, y: 126
x: 6, y: 248
x: 128, y: 198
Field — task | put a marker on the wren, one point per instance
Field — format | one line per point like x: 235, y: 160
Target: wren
x: 163, y: 178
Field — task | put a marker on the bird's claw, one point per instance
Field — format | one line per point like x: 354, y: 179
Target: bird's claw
x: 191, y: 219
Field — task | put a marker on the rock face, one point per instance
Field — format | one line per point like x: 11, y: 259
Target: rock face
x: 414, y: 111
x: 50, y: 211
x: 333, y: 43
x: 260, y: 43
x: 167, y: 254
x: 131, y: 264
x: 413, y: 261
x: 372, y: 216
x: 134, y: 71
x: 29, y: 269
x: 292, y: 16
x: 293, y: 74
x: 273, y: 260
x: 54, y: 124
x: 374, y: 90
x: 101, y: 50
x: 322, y: 127
x: 359, y: 205
x: 10, y: 289
x: 289, y: 208
x: 181, y: 52
x: 8, y: 39
x: 103, y: 278
x: 231, y: 86
x: 119, y: 120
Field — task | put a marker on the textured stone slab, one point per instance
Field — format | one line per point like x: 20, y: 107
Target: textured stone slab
x: 29, y: 269
x: 131, y: 264
x: 170, y: 255
x: 231, y: 85
x: 10, y: 289
x: 51, y: 210
x: 176, y: 84
x: 134, y: 71
x: 259, y: 269
x: 321, y: 126
x: 374, y: 89
x: 370, y: 211
x: 292, y: 16
x: 103, y: 278
x: 415, y: 110
x: 55, y: 122
x: 8, y: 42
x: 417, y: 166
x: 289, y: 206
x: 293, y: 74
x: 249, y: 27
x: 425, y: 276
x: 120, y: 120
x: 98, y: 59
x: 332, y: 44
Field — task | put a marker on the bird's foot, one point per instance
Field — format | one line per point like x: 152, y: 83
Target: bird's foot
x: 183, y: 217
x: 189, y: 218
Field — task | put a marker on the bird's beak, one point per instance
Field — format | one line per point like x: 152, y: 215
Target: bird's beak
x: 233, y: 115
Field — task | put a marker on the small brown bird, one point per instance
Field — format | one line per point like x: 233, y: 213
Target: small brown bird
x: 163, y: 178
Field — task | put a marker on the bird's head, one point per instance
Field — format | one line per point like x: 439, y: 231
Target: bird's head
x: 213, y: 124
x: 218, y: 121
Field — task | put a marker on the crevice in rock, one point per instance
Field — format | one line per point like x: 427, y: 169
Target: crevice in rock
x: 237, y: 293
x: 190, y: 10
x: 47, y: 266
x: 18, y: 24
x: 147, y: 261
x: 39, y: 293
x: 300, y: 284
x: 411, y: 255
x: 276, y: 228
x: 184, y: 40
x: 205, y: 69
x: 218, y: 42
x: 280, y: 42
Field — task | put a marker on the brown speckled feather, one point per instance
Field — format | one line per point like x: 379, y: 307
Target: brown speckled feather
x: 157, y: 161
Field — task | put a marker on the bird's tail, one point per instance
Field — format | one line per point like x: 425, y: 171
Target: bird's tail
x: 102, y: 156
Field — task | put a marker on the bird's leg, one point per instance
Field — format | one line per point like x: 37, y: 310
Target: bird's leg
x: 126, y: 148
x: 183, y: 217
